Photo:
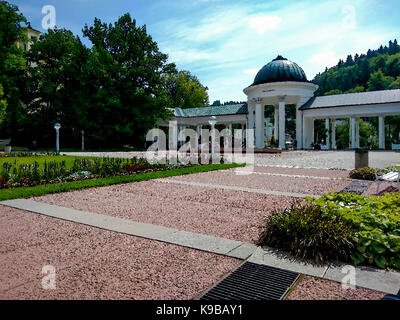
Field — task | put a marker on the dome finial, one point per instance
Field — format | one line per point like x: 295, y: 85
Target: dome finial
x: 279, y: 57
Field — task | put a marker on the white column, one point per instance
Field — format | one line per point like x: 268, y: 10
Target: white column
x: 353, y: 132
x: 381, y: 132
x: 357, y: 132
x: 308, y: 132
x: 298, y: 128
x: 250, y: 125
x: 276, y: 123
x: 282, y: 128
x: 242, y: 126
x: 327, y: 141
x: 334, y: 134
x: 260, y: 140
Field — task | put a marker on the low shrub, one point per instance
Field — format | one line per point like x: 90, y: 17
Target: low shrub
x: 339, y: 227
x: 363, y: 174
x: 375, y: 221
x: 305, y: 233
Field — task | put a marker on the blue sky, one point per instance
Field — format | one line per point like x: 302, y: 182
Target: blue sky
x: 225, y: 42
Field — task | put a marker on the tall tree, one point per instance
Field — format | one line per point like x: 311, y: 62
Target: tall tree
x: 58, y: 88
x: 3, y: 105
x: 185, y: 90
x: 12, y: 65
x: 127, y: 68
x: 379, y: 81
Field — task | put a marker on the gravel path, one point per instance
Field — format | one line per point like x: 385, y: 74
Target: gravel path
x: 230, y: 214
x: 234, y: 215
x: 96, y: 264
x: 329, y: 159
x: 311, y: 288
x: 275, y: 183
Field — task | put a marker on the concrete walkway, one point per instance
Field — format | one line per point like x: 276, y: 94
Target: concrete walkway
x: 365, y: 277
x: 237, y: 188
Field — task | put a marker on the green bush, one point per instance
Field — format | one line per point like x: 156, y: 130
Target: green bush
x: 363, y: 174
x: 339, y: 227
x: 304, y: 232
x: 375, y: 221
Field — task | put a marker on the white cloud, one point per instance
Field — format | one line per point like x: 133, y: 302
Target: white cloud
x: 250, y: 72
x: 261, y: 24
x: 324, y: 59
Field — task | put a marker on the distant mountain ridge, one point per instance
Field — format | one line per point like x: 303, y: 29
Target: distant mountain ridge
x: 376, y: 70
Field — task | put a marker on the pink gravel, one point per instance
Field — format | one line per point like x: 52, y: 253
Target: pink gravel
x: 305, y: 172
x: 266, y: 182
x: 311, y: 288
x: 96, y: 264
x: 372, y: 188
x: 229, y: 214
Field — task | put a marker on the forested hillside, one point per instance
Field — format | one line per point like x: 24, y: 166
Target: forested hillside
x: 376, y: 70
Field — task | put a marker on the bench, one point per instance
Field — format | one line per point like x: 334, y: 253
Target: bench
x: 392, y: 176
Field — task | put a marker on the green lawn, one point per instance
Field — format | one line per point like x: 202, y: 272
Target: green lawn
x: 27, y: 192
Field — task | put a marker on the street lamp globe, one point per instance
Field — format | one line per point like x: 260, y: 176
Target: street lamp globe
x: 57, y: 126
x: 212, y: 121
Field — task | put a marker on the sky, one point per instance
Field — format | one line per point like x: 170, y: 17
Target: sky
x: 225, y: 42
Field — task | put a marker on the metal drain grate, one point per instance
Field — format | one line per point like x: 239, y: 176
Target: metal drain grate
x: 253, y: 282
x: 357, y: 187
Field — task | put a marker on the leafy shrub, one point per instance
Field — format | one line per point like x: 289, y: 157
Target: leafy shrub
x: 304, y: 232
x: 339, y: 227
x: 363, y: 174
x: 375, y: 221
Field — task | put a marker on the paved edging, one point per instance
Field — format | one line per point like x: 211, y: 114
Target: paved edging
x: 286, y: 175
x: 223, y: 246
x: 236, y: 188
x: 365, y: 277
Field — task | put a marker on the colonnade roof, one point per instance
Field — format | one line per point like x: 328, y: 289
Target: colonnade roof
x: 211, y: 111
x: 353, y: 99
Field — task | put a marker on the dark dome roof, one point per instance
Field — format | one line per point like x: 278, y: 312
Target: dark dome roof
x: 280, y: 69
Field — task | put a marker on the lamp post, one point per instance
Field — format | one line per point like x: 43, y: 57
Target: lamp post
x: 83, y: 140
x: 57, y: 126
x: 212, y: 121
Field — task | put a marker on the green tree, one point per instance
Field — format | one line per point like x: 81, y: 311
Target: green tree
x: 356, y: 89
x: 127, y: 68
x: 59, y: 90
x: 395, y: 83
x: 3, y: 105
x: 343, y: 136
x: 185, y: 90
x: 379, y: 81
x: 12, y: 66
x: 332, y: 92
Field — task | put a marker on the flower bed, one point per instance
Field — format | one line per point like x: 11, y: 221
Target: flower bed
x: 13, y: 174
